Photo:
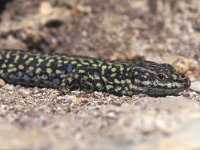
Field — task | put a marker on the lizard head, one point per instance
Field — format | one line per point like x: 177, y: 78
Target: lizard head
x: 158, y: 79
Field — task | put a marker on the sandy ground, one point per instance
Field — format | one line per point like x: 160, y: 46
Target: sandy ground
x: 39, y: 118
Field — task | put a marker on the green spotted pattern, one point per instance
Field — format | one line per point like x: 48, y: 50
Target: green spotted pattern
x: 68, y: 73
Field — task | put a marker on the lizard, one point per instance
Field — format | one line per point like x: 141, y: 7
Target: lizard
x: 68, y: 73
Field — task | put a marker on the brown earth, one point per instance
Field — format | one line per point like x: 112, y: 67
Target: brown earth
x: 35, y: 118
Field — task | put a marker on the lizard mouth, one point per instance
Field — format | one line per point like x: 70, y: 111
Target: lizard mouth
x: 162, y: 92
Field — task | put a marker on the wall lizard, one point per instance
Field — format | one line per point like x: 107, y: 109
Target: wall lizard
x: 87, y: 73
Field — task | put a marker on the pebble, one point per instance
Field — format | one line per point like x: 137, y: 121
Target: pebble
x: 112, y: 114
x: 45, y: 8
x: 195, y: 86
x: 2, y: 83
x: 24, y: 92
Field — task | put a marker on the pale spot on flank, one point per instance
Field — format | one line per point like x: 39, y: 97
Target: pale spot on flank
x: 169, y: 85
x: 146, y: 82
x: 113, y: 69
x: 21, y: 67
x: 38, y: 70
x: 30, y: 68
x: 117, y: 81
x: 49, y: 70
x: 103, y: 68
x: 58, y: 72
x: 108, y: 87
x: 137, y: 81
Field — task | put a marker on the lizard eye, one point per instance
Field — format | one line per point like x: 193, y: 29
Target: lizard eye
x: 161, y: 76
